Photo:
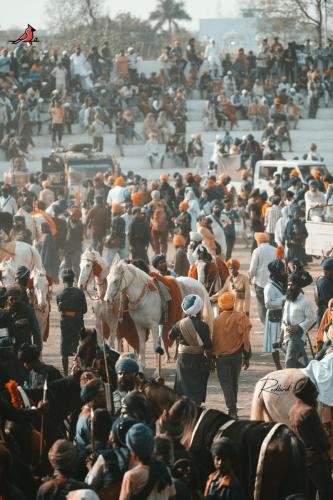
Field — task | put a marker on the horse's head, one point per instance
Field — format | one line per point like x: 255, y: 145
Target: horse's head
x: 7, y: 271
x: 116, y: 281
x: 87, y: 350
x: 179, y: 421
x: 91, y: 266
x: 41, y: 287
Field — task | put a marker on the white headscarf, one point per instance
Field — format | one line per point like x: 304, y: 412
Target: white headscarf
x: 192, y: 305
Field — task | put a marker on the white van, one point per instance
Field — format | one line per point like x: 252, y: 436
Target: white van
x: 265, y: 169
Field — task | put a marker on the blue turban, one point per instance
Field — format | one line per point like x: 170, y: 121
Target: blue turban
x: 120, y: 428
x: 157, y: 259
x: 127, y: 365
x: 140, y: 440
x: 192, y: 305
x: 327, y: 264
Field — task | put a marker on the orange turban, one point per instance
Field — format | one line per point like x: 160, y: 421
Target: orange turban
x: 116, y: 208
x: 233, y: 263
x: 261, y: 238
x: 76, y: 213
x: 294, y: 173
x: 183, y: 205
x: 226, y: 301
x: 279, y: 252
x: 120, y: 181
x: 164, y: 177
x: 137, y: 198
x: 179, y: 240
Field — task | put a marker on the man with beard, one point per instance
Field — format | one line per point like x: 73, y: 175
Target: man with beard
x: 127, y: 369
x: 24, y: 324
x: 297, y: 318
x: 160, y: 263
x: 29, y: 356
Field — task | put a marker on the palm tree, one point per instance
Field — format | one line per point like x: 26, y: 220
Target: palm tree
x: 169, y: 11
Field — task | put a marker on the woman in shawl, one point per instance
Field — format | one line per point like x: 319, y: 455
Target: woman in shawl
x: 48, y: 252
x: 274, y: 295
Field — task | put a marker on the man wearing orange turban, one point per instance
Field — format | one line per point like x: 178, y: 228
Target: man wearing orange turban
x: 118, y: 193
x: 181, y: 263
x: 183, y: 222
x: 232, y: 348
x: 239, y: 285
x: 259, y: 274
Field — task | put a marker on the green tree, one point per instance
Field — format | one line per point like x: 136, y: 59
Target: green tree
x: 169, y: 12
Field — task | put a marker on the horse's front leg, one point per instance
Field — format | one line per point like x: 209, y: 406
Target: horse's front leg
x: 142, y: 346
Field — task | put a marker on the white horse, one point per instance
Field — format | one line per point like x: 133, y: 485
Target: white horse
x: 40, y: 292
x: 41, y: 300
x: 21, y: 253
x: 273, y: 394
x: 144, y: 302
x: 94, y: 269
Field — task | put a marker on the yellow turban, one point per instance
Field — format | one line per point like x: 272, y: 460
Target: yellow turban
x: 226, y: 301
x: 261, y: 238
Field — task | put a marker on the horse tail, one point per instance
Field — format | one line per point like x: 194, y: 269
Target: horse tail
x: 258, y: 403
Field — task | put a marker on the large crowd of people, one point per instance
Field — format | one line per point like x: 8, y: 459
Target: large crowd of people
x: 82, y: 438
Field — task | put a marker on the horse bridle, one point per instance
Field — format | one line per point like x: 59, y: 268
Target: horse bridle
x: 134, y: 303
x: 85, y: 289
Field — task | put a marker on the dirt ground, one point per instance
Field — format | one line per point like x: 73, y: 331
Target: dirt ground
x: 260, y: 363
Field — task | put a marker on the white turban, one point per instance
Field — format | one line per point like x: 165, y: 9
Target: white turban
x: 82, y: 495
x: 192, y: 305
x: 194, y: 236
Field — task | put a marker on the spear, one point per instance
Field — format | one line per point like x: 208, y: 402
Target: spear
x: 41, y: 445
x: 93, y: 446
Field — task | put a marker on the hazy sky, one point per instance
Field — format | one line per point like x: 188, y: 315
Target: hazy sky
x: 20, y: 12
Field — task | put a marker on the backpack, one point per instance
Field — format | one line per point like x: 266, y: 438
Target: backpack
x: 160, y: 218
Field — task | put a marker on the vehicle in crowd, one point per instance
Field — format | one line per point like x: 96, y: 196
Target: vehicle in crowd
x: 266, y: 170
x: 320, y: 235
x: 73, y: 166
